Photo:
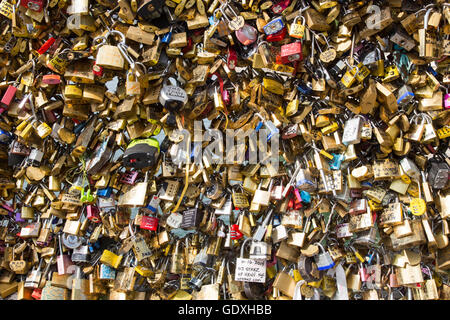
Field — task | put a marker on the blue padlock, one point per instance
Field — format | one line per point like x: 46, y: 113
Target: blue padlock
x: 306, y: 197
x: 165, y: 38
x: 5, y: 137
x: 304, y: 89
x: 274, y: 26
x: 106, y: 192
x: 335, y: 164
x: 323, y: 259
x: 276, y: 220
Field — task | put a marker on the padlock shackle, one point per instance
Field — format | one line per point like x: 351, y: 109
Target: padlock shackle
x: 243, y: 246
x: 301, y: 17
x: 321, y: 247
x: 297, y: 290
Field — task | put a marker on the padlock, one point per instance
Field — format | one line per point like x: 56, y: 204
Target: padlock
x: 323, y: 259
x: 260, y: 250
x: 109, y: 56
x: 141, y: 153
x: 291, y: 52
x: 297, y: 30
x: 110, y: 259
x: 172, y: 97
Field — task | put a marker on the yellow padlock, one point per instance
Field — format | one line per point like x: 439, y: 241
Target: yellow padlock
x: 443, y: 132
x: 330, y: 128
x: 273, y: 86
x: 110, y: 259
x: 417, y: 206
x: 362, y: 72
x: 73, y: 91
x: 43, y: 130
x: 374, y: 206
x: 297, y: 30
x: 391, y: 73
x: 348, y: 79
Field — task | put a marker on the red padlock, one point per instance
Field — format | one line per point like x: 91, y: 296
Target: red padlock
x: 149, y: 223
x: 97, y: 70
x: 50, y: 116
x: 235, y: 233
x: 231, y: 58
x: 277, y: 36
x: 291, y: 52
x: 9, y: 95
x: 35, y: 5
x: 92, y: 213
x: 188, y: 47
x: 280, y: 6
x: 43, y: 49
x: 36, y: 294
x: 291, y: 203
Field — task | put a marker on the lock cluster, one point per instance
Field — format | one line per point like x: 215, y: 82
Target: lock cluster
x: 224, y: 150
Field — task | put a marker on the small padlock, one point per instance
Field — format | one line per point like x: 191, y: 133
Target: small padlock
x: 297, y: 30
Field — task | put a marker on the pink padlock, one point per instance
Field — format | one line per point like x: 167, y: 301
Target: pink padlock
x: 362, y: 272
x: 280, y: 6
x: 226, y: 98
x: 9, y: 95
x: 92, y: 213
x: 393, y: 282
x: 129, y: 177
x: 297, y: 195
x: 63, y: 261
x: 447, y: 101
x: 246, y: 35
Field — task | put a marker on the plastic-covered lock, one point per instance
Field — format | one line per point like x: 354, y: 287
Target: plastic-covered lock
x: 141, y: 153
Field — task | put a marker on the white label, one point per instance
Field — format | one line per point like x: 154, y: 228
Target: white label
x: 250, y: 270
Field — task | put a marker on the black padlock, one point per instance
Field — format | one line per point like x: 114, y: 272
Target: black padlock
x: 17, y: 153
x: 141, y: 153
x: 191, y: 218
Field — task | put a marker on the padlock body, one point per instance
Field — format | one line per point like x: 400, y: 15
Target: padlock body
x: 109, y: 57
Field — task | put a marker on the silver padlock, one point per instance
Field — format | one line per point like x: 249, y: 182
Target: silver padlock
x: 172, y: 97
x: 323, y: 259
x: 81, y: 254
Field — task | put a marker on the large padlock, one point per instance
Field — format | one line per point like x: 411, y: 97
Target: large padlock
x: 250, y: 270
x: 109, y: 56
x: 141, y: 153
